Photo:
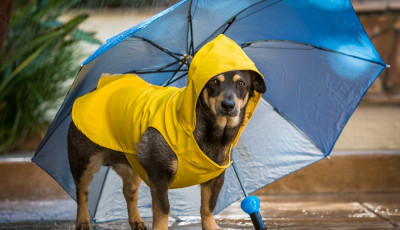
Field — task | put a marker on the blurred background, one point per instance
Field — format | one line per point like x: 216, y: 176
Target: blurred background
x: 43, y: 42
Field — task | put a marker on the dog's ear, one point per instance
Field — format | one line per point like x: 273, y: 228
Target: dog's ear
x: 258, y: 82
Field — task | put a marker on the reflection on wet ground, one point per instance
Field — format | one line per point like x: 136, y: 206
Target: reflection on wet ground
x: 316, y: 211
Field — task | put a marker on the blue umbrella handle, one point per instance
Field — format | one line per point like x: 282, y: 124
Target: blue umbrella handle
x: 251, y: 205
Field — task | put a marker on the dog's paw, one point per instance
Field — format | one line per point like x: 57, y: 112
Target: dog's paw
x: 138, y: 225
x: 83, y: 226
x: 210, y: 224
x: 215, y: 227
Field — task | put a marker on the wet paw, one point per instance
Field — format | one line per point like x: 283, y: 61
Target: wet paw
x: 217, y: 227
x: 83, y: 226
x: 138, y: 225
x: 210, y: 224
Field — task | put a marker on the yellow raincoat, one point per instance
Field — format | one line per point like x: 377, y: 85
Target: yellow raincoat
x: 122, y: 107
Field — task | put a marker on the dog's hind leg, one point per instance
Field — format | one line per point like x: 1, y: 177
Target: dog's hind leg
x: 82, y: 191
x: 209, y: 195
x: 131, y: 184
x: 85, y: 158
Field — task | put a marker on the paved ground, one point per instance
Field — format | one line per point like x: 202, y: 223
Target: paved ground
x: 329, y: 211
x: 344, y: 192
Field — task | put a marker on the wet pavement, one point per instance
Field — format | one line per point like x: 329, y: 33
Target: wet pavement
x: 345, y: 192
x: 311, y: 211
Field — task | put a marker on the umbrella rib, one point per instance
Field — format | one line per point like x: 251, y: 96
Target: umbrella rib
x: 170, y: 64
x: 154, y: 71
x: 192, y: 38
x: 101, y: 192
x: 227, y: 22
x: 246, y: 44
x: 230, y: 22
x: 170, y: 53
x: 173, y: 75
x: 188, y: 27
x: 178, y: 78
x: 259, y: 9
x: 190, y: 48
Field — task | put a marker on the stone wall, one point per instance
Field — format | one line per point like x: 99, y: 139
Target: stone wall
x: 381, y: 21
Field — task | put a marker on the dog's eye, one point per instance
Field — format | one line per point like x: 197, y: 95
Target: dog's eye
x: 214, y: 82
x: 241, y: 83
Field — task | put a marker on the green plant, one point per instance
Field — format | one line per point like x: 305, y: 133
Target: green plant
x: 38, y: 56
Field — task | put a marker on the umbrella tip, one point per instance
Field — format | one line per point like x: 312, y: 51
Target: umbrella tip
x: 387, y: 66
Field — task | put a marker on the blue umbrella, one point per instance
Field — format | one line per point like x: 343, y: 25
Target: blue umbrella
x: 317, y: 61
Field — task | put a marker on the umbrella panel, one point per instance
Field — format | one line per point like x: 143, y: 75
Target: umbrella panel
x: 317, y: 90
x: 333, y: 26
x: 205, y: 21
x: 171, y: 30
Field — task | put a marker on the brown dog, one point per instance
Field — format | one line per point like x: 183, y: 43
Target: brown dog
x: 220, y: 111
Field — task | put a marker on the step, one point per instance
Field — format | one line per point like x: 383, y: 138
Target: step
x: 344, y: 172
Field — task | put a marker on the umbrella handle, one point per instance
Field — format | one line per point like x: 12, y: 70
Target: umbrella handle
x: 257, y: 221
x: 251, y: 205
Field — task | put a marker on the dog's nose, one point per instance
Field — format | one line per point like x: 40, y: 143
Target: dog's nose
x: 228, y: 105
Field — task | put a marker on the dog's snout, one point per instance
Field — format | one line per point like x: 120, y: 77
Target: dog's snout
x: 228, y: 105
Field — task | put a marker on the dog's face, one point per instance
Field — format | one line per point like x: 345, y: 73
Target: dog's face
x: 228, y: 93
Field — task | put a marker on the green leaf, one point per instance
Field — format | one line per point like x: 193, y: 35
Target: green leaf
x: 86, y: 37
x: 26, y: 62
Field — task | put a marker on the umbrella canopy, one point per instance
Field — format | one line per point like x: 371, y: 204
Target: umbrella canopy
x: 317, y: 62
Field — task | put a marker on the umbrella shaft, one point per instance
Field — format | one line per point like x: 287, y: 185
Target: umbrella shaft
x: 239, y: 178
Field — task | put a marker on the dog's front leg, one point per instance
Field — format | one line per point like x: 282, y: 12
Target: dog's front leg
x: 209, y: 195
x: 160, y: 204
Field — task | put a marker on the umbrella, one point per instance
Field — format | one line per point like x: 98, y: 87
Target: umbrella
x: 317, y: 61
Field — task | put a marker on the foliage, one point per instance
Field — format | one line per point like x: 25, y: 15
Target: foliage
x: 38, y: 56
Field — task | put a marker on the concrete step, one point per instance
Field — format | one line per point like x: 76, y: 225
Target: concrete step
x: 344, y: 172
x: 22, y: 180
x: 349, y: 172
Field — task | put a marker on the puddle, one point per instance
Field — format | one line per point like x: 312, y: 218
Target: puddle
x: 290, y: 212
x: 36, y: 211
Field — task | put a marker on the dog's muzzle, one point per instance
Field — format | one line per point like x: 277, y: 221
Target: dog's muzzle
x: 228, y: 108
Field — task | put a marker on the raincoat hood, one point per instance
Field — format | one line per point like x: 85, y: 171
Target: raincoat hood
x: 218, y: 56
x: 124, y: 106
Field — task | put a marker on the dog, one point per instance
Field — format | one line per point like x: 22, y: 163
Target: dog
x: 181, y: 137
x: 219, y: 114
